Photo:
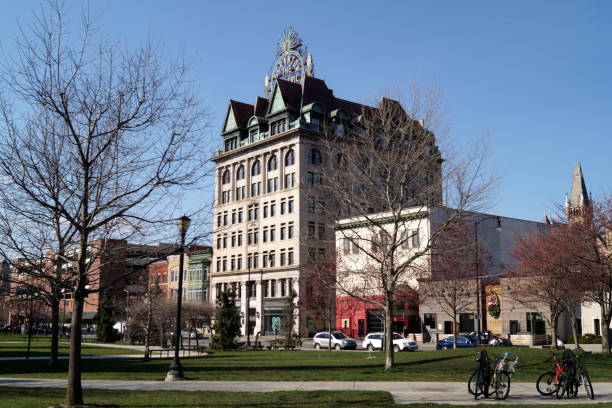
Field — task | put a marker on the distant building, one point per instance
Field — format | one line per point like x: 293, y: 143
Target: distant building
x: 424, y: 316
x: 269, y: 228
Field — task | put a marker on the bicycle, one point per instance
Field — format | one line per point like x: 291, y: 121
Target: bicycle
x: 504, y: 368
x: 567, y: 384
x: 547, y: 382
x: 478, y: 383
x: 574, y: 377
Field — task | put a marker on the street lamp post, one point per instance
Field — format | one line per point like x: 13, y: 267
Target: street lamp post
x: 176, y: 370
x: 498, y: 227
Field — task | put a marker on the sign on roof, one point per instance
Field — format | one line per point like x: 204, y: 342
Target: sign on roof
x: 292, y: 62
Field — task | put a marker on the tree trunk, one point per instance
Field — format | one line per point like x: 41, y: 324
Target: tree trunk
x: 389, y: 362
x: 605, y: 330
x: 553, y: 332
x: 455, y: 330
x: 148, y: 329
x: 29, y: 329
x: 55, y: 315
x: 74, y: 392
x: 575, y: 332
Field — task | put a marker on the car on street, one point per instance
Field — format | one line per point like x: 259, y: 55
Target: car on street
x: 374, y: 341
x: 339, y: 341
x: 462, y: 341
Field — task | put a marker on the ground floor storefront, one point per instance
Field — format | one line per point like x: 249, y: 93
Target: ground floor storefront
x: 356, y: 318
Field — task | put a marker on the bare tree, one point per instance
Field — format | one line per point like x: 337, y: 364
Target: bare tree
x: 127, y: 131
x: 536, y: 281
x: 387, y: 192
x: 453, y: 283
x: 588, y: 244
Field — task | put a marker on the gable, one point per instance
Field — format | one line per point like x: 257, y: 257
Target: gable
x: 230, y: 120
x: 278, y: 104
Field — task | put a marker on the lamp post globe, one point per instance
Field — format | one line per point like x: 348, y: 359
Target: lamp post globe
x: 175, y: 372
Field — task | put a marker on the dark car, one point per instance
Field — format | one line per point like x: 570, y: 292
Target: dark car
x: 462, y: 341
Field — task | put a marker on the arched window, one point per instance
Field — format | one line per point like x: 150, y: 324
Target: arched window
x: 314, y: 157
x: 272, y: 163
x: 289, y: 158
x: 240, y: 173
x: 256, y: 168
x: 226, y: 177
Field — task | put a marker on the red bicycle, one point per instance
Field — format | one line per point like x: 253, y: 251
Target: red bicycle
x: 548, y: 382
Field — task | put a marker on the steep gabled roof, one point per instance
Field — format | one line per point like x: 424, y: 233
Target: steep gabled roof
x: 261, y: 106
x: 291, y: 93
x: 242, y: 113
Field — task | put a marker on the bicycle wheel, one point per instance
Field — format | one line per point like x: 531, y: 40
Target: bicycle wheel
x: 502, y: 385
x: 546, y: 383
x: 472, y: 382
x: 562, y: 385
x: 480, y: 385
x: 586, y: 381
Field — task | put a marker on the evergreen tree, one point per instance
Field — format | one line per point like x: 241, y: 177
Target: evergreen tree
x: 289, y: 324
x: 105, y: 319
x: 227, y: 322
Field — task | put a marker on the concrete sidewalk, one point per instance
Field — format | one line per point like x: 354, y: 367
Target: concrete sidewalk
x: 402, y: 392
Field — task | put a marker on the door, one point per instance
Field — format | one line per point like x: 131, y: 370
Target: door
x: 360, y: 328
x: 324, y: 340
x: 448, y: 327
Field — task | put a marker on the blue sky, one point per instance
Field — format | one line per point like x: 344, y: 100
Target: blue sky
x: 536, y: 75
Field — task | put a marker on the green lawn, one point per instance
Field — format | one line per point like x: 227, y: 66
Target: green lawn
x: 449, y: 365
x: 45, y: 397
x: 42, y: 350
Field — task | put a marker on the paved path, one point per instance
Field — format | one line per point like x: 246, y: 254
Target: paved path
x: 402, y: 392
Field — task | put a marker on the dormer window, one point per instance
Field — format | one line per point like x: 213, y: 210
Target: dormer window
x: 253, y: 135
x: 278, y: 126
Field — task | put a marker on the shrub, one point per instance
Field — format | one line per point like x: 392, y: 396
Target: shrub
x: 587, y: 338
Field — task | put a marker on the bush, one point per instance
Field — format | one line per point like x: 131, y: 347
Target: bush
x: 587, y: 338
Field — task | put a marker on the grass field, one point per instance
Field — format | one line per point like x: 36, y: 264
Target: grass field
x: 449, y: 365
x: 43, y: 349
x: 39, y: 397
x: 15, y: 345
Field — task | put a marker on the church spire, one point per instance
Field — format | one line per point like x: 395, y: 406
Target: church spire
x: 578, y: 195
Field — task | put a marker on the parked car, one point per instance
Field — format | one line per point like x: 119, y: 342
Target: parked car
x: 339, y: 341
x: 462, y: 341
x: 375, y: 341
x: 499, y: 342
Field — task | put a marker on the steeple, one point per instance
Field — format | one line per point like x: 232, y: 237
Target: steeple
x: 578, y: 195
x: 545, y: 219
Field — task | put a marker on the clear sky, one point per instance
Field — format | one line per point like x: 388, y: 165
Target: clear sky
x: 536, y: 75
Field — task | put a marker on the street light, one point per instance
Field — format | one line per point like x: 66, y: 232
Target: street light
x: 498, y: 228
x: 176, y: 370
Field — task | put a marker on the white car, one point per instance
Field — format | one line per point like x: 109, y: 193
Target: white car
x: 374, y: 341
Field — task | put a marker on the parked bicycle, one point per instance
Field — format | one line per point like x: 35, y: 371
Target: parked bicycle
x: 478, y: 384
x: 486, y: 381
x: 565, y: 378
x: 504, y: 368
x: 573, y: 377
x: 547, y: 382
